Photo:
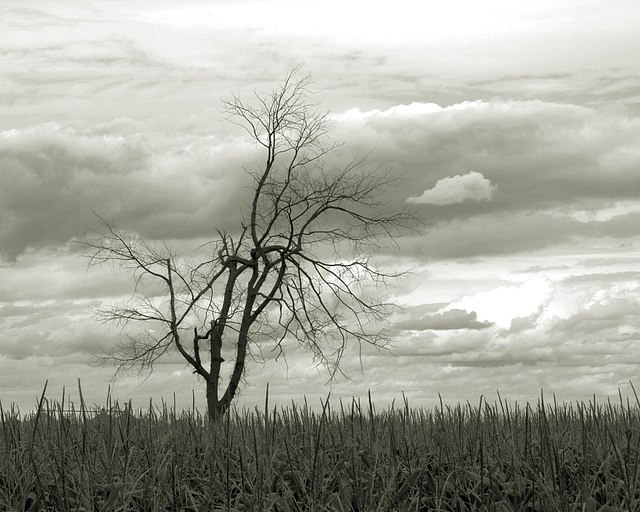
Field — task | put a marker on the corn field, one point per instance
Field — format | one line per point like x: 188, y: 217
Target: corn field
x: 347, y: 457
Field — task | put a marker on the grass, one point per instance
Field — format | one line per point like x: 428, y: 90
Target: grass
x: 349, y: 457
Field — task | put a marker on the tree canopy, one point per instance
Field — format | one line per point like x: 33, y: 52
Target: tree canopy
x: 295, y: 268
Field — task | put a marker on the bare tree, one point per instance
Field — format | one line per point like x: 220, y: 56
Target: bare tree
x: 268, y: 280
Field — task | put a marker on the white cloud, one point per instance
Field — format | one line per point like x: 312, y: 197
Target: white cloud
x: 457, y: 189
x: 413, y: 109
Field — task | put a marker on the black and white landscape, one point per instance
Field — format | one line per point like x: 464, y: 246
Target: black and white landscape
x: 514, y: 128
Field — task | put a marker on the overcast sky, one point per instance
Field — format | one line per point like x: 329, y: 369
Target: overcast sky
x: 515, y: 127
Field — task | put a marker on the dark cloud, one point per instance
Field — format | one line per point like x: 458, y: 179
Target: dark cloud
x: 618, y: 87
x: 602, y: 278
x: 603, y: 318
x: 53, y: 177
x: 539, y: 155
x: 548, y: 163
x: 30, y: 330
x: 621, y: 226
x: 487, y: 235
x: 448, y: 320
x: 50, y: 182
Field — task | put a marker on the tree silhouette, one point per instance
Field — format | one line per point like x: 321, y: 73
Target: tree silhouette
x: 269, y: 280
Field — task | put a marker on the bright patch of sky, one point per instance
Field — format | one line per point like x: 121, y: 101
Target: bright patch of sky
x: 503, y: 304
x: 407, y: 21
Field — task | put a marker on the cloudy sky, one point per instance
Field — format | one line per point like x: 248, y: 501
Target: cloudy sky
x: 515, y: 127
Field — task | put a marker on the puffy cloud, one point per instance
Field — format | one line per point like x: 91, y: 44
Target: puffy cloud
x: 566, y: 333
x: 456, y: 189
